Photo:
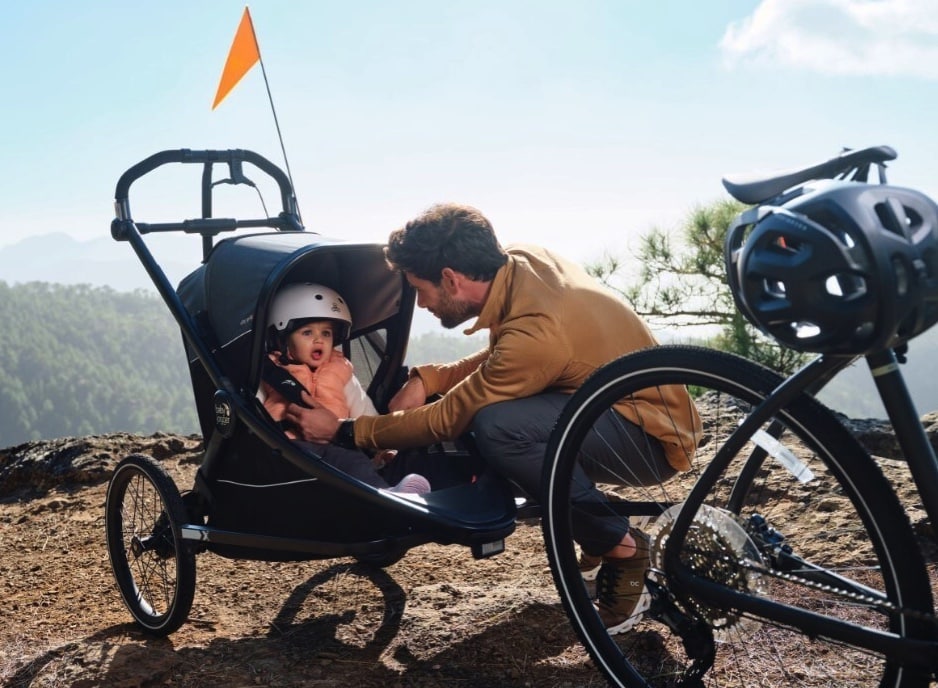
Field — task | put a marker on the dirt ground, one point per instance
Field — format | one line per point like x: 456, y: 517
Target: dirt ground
x: 436, y: 618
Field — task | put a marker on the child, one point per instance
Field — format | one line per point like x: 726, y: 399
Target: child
x: 305, y: 322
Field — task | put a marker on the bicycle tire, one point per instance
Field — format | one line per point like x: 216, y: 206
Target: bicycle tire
x: 885, y: 553
x: 153, y: 567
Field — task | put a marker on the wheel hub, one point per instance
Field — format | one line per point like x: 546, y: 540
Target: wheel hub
x: 136, y: 546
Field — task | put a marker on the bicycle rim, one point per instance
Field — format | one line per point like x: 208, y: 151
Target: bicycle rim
x: 852, y: 556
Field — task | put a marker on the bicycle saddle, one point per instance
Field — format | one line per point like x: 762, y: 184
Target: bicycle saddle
x: 760, y: 188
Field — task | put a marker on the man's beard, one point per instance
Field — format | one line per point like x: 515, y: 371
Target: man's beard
x: 451, y: 312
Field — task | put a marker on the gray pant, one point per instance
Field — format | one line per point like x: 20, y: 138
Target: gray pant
x: 512, y: 437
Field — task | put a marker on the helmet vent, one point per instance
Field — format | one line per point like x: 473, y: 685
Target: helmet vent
x: 897, y: 218
x: 903, y: 278
x: 845, y: 286
x: 930, y: 263
x: 912, y: 216
x: 805, y: 330
x: 774, y: 288
x: 785, y: 245
x: 832, y: 285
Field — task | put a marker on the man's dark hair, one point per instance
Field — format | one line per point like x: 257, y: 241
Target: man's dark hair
x: 447, y: 235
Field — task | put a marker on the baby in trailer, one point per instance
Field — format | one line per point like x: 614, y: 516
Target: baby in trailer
x: 305, y: 322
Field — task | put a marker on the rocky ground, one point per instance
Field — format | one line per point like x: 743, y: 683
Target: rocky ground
x: 436, y: 618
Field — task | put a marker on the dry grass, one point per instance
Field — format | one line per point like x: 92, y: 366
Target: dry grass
x: 437, y: 618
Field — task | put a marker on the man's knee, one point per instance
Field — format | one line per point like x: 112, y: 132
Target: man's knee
x: 521, y: 424
x: 488, y: 429
x: 505, y: 447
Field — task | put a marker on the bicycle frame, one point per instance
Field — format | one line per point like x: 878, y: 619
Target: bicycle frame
x: 923, y: 465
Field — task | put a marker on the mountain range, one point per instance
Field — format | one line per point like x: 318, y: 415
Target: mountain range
x: 60, y: 258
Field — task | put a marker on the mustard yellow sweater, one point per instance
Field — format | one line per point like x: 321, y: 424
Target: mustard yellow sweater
x: 550, y: 326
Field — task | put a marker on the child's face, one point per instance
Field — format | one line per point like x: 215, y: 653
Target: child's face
x: 312, y: 343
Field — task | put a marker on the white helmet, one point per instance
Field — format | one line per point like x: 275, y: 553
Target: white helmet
x: 306, y: 301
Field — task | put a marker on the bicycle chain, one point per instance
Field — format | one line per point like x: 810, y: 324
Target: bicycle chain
x: 885, y: 607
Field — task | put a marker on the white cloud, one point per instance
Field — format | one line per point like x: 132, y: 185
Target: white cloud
x: 845, y: 37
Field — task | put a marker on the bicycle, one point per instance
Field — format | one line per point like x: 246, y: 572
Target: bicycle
x: 783, y: 556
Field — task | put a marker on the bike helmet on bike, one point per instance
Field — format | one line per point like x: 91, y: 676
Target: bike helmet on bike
x: 838, y: 267
x: 296, y: 304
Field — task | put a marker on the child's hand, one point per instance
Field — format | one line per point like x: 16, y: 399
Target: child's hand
x: 383, y: 458
x: 412, y: 395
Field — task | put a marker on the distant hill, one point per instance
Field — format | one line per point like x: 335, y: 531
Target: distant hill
x: 84, y: 360
x: 99, y: 262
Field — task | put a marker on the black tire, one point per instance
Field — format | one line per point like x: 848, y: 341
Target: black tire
x: 153, y: 566
x: 845, y: 520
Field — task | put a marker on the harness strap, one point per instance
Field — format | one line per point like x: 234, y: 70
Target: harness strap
x: 282, y: 381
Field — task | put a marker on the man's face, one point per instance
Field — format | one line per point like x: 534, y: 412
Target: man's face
x: 451, y: 310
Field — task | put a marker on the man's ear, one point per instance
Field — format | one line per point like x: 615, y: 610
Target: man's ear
x: 450, y: 280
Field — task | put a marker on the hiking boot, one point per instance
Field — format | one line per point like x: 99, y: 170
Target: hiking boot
x: 620, y: 588
x: 412, y: 483
x: 589, y: 565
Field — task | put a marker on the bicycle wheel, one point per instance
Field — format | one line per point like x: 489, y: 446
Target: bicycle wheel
x: 154, y: 568
x: 837, y: 544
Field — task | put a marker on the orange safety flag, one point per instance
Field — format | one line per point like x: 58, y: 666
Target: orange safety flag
x: 243, y: 55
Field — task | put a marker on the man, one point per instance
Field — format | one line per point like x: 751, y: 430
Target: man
x: 550, y: 326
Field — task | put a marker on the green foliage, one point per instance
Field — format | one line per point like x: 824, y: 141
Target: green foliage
x: 681, y: 283
x: 80, y: 360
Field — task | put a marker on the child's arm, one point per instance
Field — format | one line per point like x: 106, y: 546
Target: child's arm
x: 359, y: 403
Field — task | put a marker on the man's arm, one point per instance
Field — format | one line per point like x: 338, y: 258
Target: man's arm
x: 441, y: 378
x: 518, y: 366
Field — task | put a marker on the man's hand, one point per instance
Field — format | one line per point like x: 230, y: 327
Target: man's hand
x: 316, y: 424
x: 411, y: 395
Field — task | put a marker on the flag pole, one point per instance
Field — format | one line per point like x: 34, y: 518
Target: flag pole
x: 273, y: 111
x: 244, y: 53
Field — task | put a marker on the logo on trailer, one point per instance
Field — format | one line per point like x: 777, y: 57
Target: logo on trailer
x: 224, y: 414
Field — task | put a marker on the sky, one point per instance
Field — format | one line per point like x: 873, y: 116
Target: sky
x: 575, y: 125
